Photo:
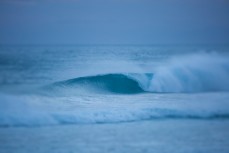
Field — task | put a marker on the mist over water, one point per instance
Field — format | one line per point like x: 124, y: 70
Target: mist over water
x: 193, y: 73
x: 42, y: 86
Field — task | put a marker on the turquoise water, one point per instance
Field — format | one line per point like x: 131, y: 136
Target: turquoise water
x: 56, y: 86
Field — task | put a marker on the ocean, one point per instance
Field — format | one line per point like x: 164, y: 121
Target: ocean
x: 114, y: 98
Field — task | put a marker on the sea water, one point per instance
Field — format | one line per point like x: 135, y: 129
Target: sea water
x: 113, y: 92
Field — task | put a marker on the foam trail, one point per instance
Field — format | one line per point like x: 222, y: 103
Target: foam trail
x: 46, y: 111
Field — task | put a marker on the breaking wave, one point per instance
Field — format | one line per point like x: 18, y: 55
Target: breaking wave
x: 203, y: 72
x: 115, y: 83
x: 188, y: 74
x: 178, y: 78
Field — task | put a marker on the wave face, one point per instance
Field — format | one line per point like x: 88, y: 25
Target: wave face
x: 186, y: 74
x: 115, y: 83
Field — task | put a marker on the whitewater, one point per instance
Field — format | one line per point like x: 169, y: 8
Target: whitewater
x: 55, y: 89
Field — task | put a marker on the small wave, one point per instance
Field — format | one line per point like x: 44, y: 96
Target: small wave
x: 34, y: 119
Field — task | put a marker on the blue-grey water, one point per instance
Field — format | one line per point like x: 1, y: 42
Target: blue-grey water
x: 153, y: 98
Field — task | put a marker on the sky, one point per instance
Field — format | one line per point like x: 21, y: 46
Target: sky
x: 114, y: 21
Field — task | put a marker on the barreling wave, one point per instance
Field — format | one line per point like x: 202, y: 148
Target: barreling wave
x: 203, y: 72
x: 115, y: 83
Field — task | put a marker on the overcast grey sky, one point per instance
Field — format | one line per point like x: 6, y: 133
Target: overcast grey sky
x: 113, y: 21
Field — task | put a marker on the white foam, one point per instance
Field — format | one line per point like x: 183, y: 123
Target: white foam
x: 43, y: 111
x: 192, y: 73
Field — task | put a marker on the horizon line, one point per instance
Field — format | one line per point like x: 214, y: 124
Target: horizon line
x: 106, y: 44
